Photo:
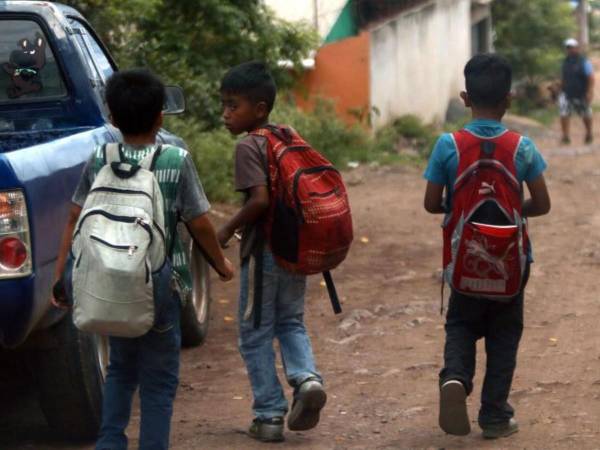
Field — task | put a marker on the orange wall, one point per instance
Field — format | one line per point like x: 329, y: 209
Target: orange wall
x: 341, y: 74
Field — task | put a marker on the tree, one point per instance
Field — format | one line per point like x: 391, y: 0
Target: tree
x: 531, y: 35
x: 192, y: 43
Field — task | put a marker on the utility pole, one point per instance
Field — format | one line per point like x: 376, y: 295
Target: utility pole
x: 582, y: 18
x: 316, y: 14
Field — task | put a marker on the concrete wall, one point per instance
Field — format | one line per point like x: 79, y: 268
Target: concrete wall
x: 294, y: 10
x: 417, y: 59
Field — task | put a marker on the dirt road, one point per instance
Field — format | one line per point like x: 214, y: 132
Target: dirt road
x: 380, y: 359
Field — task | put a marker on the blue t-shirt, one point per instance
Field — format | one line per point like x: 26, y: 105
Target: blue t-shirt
x: 443, y: 163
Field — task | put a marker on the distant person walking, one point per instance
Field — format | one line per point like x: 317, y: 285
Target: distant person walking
x: 577, y: 90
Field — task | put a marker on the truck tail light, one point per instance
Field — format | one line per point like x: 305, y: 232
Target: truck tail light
x: 15, y: 244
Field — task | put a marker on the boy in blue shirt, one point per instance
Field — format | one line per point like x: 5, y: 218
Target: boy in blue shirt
x: 488, y: 83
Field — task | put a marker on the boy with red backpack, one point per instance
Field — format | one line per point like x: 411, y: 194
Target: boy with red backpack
x: 487, y: 251
x: 295, y: 221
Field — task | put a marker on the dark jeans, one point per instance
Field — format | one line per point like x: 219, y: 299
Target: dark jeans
x: 501, y: 324
x: 150, y: 362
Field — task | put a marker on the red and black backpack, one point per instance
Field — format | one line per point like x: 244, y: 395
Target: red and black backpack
x: 485, y: 235
x: 309, y: 224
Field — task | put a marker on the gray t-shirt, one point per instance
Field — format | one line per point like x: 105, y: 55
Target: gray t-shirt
x: 190, y: 199
x: 251, y: 170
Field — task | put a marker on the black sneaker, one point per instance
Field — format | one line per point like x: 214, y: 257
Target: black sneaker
x: 589, y: 139
x: 454, y: 418
x: 267, y: 430
x: 565, y: 140
x: 500, y: 430
x: 309, y: 399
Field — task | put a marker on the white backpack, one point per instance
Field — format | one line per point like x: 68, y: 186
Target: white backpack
x: 118, y: 243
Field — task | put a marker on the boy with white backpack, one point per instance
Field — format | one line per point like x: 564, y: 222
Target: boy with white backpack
x: 127, y: 258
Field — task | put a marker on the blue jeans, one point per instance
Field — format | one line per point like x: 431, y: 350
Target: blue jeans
x: 150, y: 362
x: 282, y: 318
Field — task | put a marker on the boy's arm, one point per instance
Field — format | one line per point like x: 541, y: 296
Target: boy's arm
x: 434, y: 199
x: 204, y: 234
x: 192, y: 205
x: 539, y: 203
x: 253, y: 209
x: 65, y: 246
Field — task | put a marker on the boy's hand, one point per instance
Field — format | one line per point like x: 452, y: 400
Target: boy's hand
x: 59, y: 296
x: 434, y: 198
x: 226, y: 270
x: 224, y: 235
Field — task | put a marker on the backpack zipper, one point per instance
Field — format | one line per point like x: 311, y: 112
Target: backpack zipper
x: 301, y: 172
x: 131, y: 249
x: 335, y: 190
x: 124, y: 219
x: 120, y: 191
x: 292, y: 148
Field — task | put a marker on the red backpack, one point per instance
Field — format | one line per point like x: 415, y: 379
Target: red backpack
x: 485, y: 235
x: 309, y: 224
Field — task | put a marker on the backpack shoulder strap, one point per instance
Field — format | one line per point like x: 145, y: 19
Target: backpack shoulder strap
x: 149, y: 161
x: 112, y: 152
x: 508, y: 140
x: 279, y: 132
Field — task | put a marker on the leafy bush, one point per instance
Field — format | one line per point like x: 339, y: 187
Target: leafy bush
x: 405, y: 132
x: 192, y: 43
x: 339, y: 142
x: 213, y: 153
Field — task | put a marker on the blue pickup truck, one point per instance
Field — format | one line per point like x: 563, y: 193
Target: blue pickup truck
x: 53, y: 69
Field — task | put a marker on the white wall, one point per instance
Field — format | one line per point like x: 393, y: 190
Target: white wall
x: 294, y: 10
x: 417, y: 60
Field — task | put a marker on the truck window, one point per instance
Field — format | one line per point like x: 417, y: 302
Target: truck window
x: 28, y: 69
x: 98, y: 63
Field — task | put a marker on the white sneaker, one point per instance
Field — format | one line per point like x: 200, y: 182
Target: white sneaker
x: 454, y: 418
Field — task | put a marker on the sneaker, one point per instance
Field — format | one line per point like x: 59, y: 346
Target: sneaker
x: 565, y: 140
x: 267, y: 430
x: 496, y: 431
x: 454, y: 418
x: 309, y: 399
x: 589, y: 139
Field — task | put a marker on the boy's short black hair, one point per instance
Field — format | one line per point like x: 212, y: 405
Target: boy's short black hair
x: 488, y: 79
x: 135, y: 99
x: 252, y: 80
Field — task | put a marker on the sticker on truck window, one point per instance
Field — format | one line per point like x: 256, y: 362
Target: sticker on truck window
x: 28, y: 68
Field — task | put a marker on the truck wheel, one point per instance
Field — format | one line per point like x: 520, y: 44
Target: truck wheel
x: 70, y: 379
x: 195, y: 313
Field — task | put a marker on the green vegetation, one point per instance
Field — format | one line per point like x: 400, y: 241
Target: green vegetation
x: 407, y: 139
x: 531, y: 35
x: 192, y: 43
